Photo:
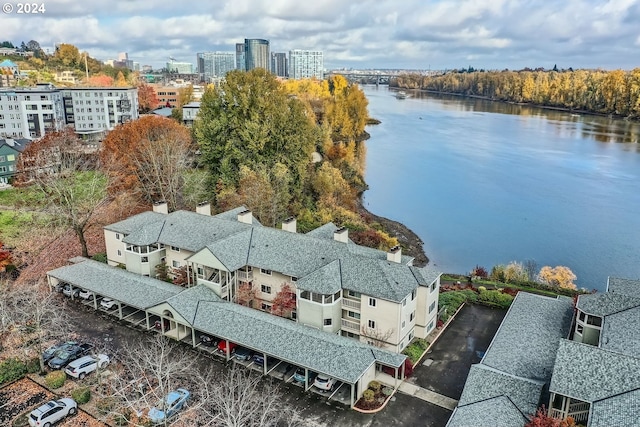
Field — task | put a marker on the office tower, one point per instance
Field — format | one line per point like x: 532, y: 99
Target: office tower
x: 240, y: 58
x: 279, y: 65
x: 306, y: 64
x: 256, y: 53
x: 180, y: 67
x: 217, y: 64
x: 200, y: 64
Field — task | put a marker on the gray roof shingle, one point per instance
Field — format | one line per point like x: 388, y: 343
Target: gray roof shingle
x: 325, y: 280
x: 621, y: 410
x: 497, y: 411
x: 134, y: 222
x: 606, y: 303
x: 484, y: 382
x: 526, y: 341
x: 620, y: 332
x: 590, y: 373
x: 135, y: 290
x: 628, y: 287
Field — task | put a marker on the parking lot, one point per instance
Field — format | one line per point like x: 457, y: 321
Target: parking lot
x: 445, y: 367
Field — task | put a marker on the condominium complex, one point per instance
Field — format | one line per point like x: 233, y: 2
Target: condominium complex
x: 180, y: 67
x: 216, y: 64
x: 31, y: 112
x: 279, y: 64
x: 256, y: 54
x: 338, y: 287
x: 306, y: 64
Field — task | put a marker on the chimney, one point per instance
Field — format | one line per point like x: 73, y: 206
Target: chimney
x: 395, y: 254
x: 290, y: 224
x: 204, y: 208
x: 341, y: 235
x: 161, y: 207
x: 245, y: 216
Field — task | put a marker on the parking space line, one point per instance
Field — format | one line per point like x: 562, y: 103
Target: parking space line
x: 336, y: 390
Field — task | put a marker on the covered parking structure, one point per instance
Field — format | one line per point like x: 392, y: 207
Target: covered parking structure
x: 196, y: 310
x: 131, y: 291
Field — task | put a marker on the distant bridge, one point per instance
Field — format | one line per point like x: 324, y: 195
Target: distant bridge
x: 363, y: 77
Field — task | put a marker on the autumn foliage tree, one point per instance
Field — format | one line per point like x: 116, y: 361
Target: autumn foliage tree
x: 559, y: 276
x: 147, y: 98
x: 148, y: 157
x: 100, y: 80
x: 541, y: 419
x: 284, y: 302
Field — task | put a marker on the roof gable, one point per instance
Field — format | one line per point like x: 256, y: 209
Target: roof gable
x: 497, y: 411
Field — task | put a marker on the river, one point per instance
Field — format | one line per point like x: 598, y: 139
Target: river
x: 489, y: 183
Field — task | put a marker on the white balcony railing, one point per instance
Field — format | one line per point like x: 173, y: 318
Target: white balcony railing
x: 349, y: 303
x: 347, y: 324
x: 245, y: 276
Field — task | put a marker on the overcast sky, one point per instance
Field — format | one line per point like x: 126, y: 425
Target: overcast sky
x: 413, y: 34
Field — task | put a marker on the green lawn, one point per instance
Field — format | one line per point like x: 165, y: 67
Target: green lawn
x: 12, y: 223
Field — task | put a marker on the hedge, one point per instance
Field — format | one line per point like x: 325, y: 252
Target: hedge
x: 55, y: 379
x: 81, y: 394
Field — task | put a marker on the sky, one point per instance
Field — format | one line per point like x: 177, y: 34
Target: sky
x: 382, y: 34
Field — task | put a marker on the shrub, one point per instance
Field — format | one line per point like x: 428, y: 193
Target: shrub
x: 100, y: 257
x: 55, y: 379
x: 368, y: 395
x: 375, y: 386
x: 495, y: 298
x: 481, y: 289
x: 81, y: 394
x: 479, y: 271
x: 33, y: 365
x: 452, y: 300
x: 497, y: 273
x: 21, y: 421
x: 12, y: 369
x: 515, y: 272
x: 387, y: 390
x: 415, y: 349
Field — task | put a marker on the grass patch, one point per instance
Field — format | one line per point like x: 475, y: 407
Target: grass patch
x: 12, y: 223
x: 452, y: 300
x: 21, y: 197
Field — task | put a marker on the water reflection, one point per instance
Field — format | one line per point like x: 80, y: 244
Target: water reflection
x: 591, y: 127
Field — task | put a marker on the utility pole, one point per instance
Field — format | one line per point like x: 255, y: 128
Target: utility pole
x: 86, y: 66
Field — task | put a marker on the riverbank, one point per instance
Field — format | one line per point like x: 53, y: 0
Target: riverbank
x: 411, y: 244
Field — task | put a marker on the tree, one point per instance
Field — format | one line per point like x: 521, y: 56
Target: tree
x: 249, y: 120
x: 541, y: 419
x: 100, y: 80
x: 147, y: 98
x: 120, y: 80
x: 284, y: 302
x: 148, y: 157
x: 375, y: 336
x: 68, y: 55
x: 245, y: 294
x: 7, y: 44
x: 514, y: 272
x: 559, y: 276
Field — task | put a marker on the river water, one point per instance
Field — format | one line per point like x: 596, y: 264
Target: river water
x: 489, y: 183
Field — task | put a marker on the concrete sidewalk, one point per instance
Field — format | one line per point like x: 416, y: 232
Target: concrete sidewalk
x: 428, y: 396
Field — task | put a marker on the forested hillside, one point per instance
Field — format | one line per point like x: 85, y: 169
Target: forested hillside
x: 604, y: 92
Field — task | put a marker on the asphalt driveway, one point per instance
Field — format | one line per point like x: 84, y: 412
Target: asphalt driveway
x: 461, y: 345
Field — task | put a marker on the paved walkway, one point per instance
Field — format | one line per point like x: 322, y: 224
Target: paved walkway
x: 428, y: 395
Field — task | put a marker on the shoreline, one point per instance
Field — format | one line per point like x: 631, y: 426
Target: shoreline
x: 410, y: 242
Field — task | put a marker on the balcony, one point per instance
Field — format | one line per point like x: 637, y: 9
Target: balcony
x: 349, y: 303
x: 350, y: 326
x: 245, y: 276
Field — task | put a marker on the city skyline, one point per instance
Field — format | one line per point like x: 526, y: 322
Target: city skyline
x: 365, y: 34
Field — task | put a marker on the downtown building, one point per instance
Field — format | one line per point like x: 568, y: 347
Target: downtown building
x: 215, y: 65
x: 279, y: 64
x: 306, y: 64
x: 256, y: 54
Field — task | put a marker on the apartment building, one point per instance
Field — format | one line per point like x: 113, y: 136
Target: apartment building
x: 306, y: 64
x: 31, y: 112
x: 10, y: 150
x: 578, y: 360
x: 190, y: 112
x: 339, y: 287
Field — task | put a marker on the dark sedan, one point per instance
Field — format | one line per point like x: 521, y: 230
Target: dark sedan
x: 65, y: 356
x: 49, y: 353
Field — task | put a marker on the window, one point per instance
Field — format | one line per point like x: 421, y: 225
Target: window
x: 175, y: 248
x: 117, y: 236
x: 432, y: 306
x: 119, y: 252
x: 413, y: 294
x: 403, y: 324
x: 413, y: 316
x: 582, y: 316
x: 200, y: 271
x: 175, y: 264
x: 328, y: 322
x: 294, y: 315
x: 354, y: 294
x: 433, y: 287
x: 265, y: 306
x: 579, y: 329
x: 372, y: 302
x: 305, y: 295
x: 144, y: 259
x: 353, y: 314
x: 294, y: 279
x: 404, y: 302
x: 411, y: 333
x: 3, y: 168
x: 265, y: 289
x: 372, y: 324
x: 3, y: 159
x: 265, y: 271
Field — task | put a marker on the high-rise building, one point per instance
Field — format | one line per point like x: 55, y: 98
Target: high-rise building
x: 180, y: 67
x: 256, y: 53
x: 240, y: 57
x: 200, y: 64
x: 279, y: 64
x: 217, y: 64
x: 306, y: 64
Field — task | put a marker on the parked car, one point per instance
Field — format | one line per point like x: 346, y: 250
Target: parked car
x: 65, y: 356
x: 209, y: 341
x: 51, y: 351
x: 174, y: 402
x: 85, y: 294
x: 324, y: 383
x: 242, y: 353
x: 52, y: 412
x: 107, y: 303
x: 258, y: 359
x: 68, y: 290
x: 222, y: 346
x: 299, y: 376
x: 79, y: 368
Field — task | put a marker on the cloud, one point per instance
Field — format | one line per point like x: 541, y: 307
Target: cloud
x: 491, y: 34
